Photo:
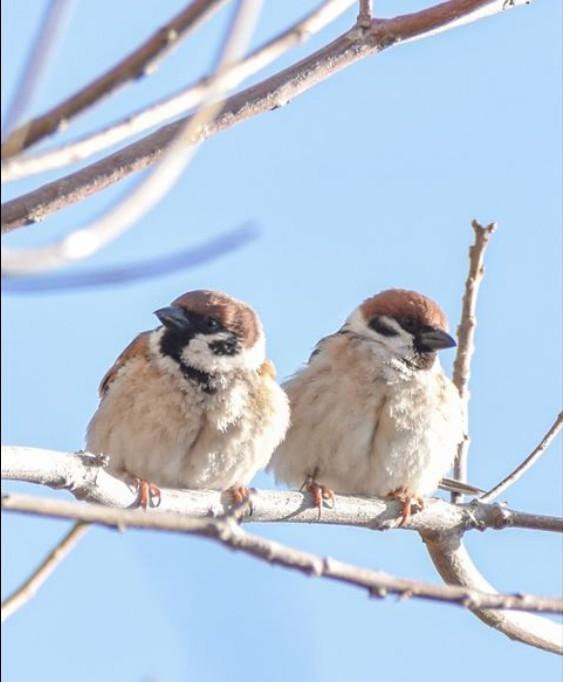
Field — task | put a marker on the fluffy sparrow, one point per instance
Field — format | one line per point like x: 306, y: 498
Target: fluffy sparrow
x: 373, y: 413
x: 193, y: 403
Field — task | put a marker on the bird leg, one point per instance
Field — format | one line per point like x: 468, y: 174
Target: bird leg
x: 408, y: 502
x: 148, y: 494
x: 318, y: 492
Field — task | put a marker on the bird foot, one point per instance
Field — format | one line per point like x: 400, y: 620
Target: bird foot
x: 319, y: 493
x: 148, y: 494
x: 408, y: 503
x: 238, y: 498
x: 238, y: 494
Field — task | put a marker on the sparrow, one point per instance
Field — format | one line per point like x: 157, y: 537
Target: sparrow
x: 373, y: 413
x: 193, y: 403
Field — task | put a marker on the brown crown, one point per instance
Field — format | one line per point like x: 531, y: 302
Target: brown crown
x: 233, y: 315
x: 402, y: 303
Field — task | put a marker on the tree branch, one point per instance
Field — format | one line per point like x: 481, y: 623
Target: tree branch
x: 176, y: 104
x: 226, y: 531
x: 456, y: 567
x: 37, y: 62
x: 140, y: 62
x: 130, y: 272
x: 29, y: 588
x: 89, y: 239
x: 527, y: 464
x: 466, y: 339
x: 85, y: 477
x: 271, y: 93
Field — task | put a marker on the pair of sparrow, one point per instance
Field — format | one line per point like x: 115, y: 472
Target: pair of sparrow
x: 194, y: 403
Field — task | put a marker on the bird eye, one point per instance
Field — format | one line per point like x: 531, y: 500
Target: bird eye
x: 409, y: 324
x: 211, y: 324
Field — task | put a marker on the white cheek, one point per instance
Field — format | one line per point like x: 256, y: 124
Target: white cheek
x: 400, y: 345
x: 199, y: 355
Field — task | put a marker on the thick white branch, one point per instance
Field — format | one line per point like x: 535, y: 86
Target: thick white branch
x: 84, y: 476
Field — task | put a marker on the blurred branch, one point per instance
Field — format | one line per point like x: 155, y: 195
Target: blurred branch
x: 140, y: 62
x: 269, y: 94
x: 36, y: 65
x: 527, y: 463
x: 226, y: 531
x: 86, y: 241
x: 163, y: 265
x: 84, y: 476
x: 175, y: 105
x: 466, y: 338
x: 29, y: 587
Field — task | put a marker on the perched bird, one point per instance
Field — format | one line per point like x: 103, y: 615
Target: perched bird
x: 193, y: 403
x: 373, y: 412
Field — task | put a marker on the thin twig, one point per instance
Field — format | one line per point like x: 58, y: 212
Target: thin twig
x: 364, y: 14
x: 271, y: 93
x: 527, y: 464
x: 36, y: 66
x: 176, y: 104
x: 466, y: 339
x: 86, y: 241
x: 84, y: 476
x: 125, y: 274
x: 140, y: 62
x: 28, y: 589
x: 229, y: 533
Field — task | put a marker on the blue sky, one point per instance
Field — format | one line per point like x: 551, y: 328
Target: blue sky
x: 368, y: 181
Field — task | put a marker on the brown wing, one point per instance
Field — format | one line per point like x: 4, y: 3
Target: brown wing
x: 139, y: 346
x: 267, y: 369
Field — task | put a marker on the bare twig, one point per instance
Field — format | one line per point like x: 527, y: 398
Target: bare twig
x: 364, y: 14
x: 226, y: 531
x: 91, y: 238
x: 176, y: 104
x: 527, y: 463
x: 36, y: 64
x: 125, y: 274
x: 466, y: 338
x: 85, y: 477
x: 140, y: 62
x: 29, y: 588
x: 271, y: 93
x: 456, y: 567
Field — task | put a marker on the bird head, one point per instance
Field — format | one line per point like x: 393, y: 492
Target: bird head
x: 211, y: 332
x: 404, y: 325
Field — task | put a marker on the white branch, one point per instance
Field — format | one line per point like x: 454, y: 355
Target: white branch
x: 84, y: 476
x: 456, y: 567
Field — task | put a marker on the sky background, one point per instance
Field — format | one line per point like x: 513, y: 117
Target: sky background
x: 368, y: 181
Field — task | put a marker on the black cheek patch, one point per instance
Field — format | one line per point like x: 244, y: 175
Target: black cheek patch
x: 230, y: 346
x: 381, y: 327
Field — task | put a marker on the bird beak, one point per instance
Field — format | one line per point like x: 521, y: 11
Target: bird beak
x: 173, y: 317
x: 431, y: 339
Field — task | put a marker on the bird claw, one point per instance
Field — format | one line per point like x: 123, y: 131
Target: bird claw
x: 239, y: 499
x: 148, y: 494
x: 319, y: 493
x: 408, y: 503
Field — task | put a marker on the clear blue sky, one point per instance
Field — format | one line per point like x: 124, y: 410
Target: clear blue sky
x: 366, y: 182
